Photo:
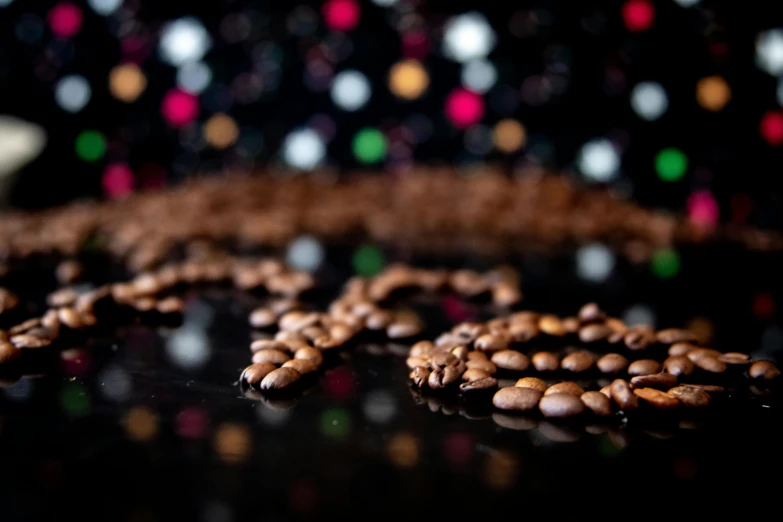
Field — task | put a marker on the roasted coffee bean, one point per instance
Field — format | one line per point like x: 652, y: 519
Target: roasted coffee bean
x: 612, y: 363
x: 268, y: 344
x: 70, y: 318
x: 523, y: 332
x: 616, y: 337
x: 577, y: 362
x: 681, y: 349
x: 505, y: 295
x: 379, y: 320
x: 51, y: 321
x: 62, y: 297
x: 690, y: 396
x: 487, y: 383
x: 170, y: 305
x: 735, y: 358
x: 491, y: 343
x: 25, y: 326
x: 262, y: 318
x: 663, y: 381
x: 592, y: 333
x: 401, y: 329
x: 511, y: 360
x: 313, y: 332
x: 469, y: 331
x: 8, y: 352
x: 597, y: 402
x: 711, y: 364
x: 28, y: 340
x: 678, y: 365
x: 443, y: 377
x: 442, y: 359
x: 414, y: 362
x: 560, y: 405
x: 255, y: 373
x: 606, y: 390
x: 144, y: 304
x: 420, y: 376
x: 571, y: 325
x: 303, y: 366
x: 498, y: 324
x: 296, y: 321
x: 460, y: 352
x: 697, y: 353
x: 657, y: 398
x: 477, y: 356
x: 545, y: 362
x: 516, y: 399
x: 146, y: 284
x: 764, y: 370
x: 531, y: 382
x: 310, y: 354
x: 551, y: 325
x: 675, y: 335
x: 623, y: 395
x: 280, y: 379
x: 422, y: 348
x: 524, y: 316
x: 709, y: 388
x: 68, y: 271
x: 487, y: 366
x: 565, y: 387
x: 617, y: 325
x: 591, y: 313
x: 639, y: 337
x: 474, y: 374
x: 270, y: 356
x: 644, y: 367
x: 289, y: 336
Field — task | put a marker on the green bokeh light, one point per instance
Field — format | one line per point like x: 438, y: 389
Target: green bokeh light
x: 671, y: 164
x: 74, y: 399
x: 665, y: 263
x: 336, y: 422
x: 369, y: 146
x: 90, y: 146
x: 368, y: 260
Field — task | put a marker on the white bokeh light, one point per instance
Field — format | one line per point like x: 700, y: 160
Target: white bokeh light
x: 479, y: 76
x: 769, y: 51
x: 184, y: 40
x: 649, y: 100
x: 305, y: 253
x: 467, y: 37
x: 72, y: 93
x: 385, y: 3
x: 116, y: 383
x: 194, y: 77
x: 350, y: 90
x: 639, y: 314
x: 686, y: 3
x: 599, y: 160
x: 20, y: 391
x: 188, y: 347
x: 271, y: 416
x: 4, y: 3
x: 304, y: 149
x: 379, y: 406
x: 594, y: 262
x: 104, y: 7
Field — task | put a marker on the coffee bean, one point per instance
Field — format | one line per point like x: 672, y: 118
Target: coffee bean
x: 571, y: 325
x: 70, y: 318
x: 68, y: 271
x: 51, y: 321
x: 379, y: 320
x: 442, y: 359
x: 657, y: 398
x: 313, y: 332
x: 597, y: 402
x: 28, y: 340
x: 560, y: 405
x: 545, y: 362
x: 487, y: 366
x: 62, y: 297
x: 612, y: 363
x: 639, y: 337
x: 487, y: 383
x: 594, y: 332
x: 709, y: 388
x: 280, y: 379
x: 577, y: 362
x: 663, y: 381
x: 255, y: 373
x: 403, y: 328
x: 414, y: 362
x: 623, y: 395
x: 474, y: 374
x: 591, y: 313
x: 460, y: 352
x: 678, y: 365
x: 606, y: 390
x: 144, y: 304
x: 524, y: 316
x: 644, y: 367
x: 516, y: 399
x: 271, y: 356
x: 25, y: 326
x: 735, y: 358
x: 268, y: 344
x: 498, y: 324
x: 697, y: 353
x: 443, y: 377
x: 675, y: 335
x: 422, y: 348
x: 531, y: 382
x: 551, y: 325
x: 764, y: 370
x: 170, y: 305
x: 310, y: 354
x: 8, y: 352
x: 146, y: 284
x: 296, y: 321
x: 491, y: 343
x: 505, y: 295
x: 565, y: 387
x: 690, y: 396
x: 303, y: 366
x: 681, y: 348
x: 289, y: 336
x: 469, y: 331
x: 511, y: 360
x: 477, y: 356
x: 617, y: 325
x: 711, y: 364
x: 420, y: 376
x: 262, y: 318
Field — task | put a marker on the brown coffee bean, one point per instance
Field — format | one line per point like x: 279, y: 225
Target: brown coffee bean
x: 442, y: 359
x: 591, y: 313
x: 477, y: 356
x: 764, y: 370
x: 170, y: 305
x: 379, y: 320
x: 560, y: 405
x: 523, y: 332
x: 270, y: 356
x: 597, y: 402
x: 498, y: 324
x: 595, y: 332
x: 460, y: 352
x: 487, y: 366
x: 681, y: 349
x: 565, y: 387
x: 289, y: 336
x: 551, y: 325
x: 511, y: 360
x: 68, y: 271
x: 491, y: 343
x: 255, y: 373
x: 474, y: 374
x: 401, y: 329
x: 313, y: 332
x: 516, y: 399
x: 639, y: 337
x: 422, y: 348
x: 268, y: 344
x: 524, y: 316
x: 578, y: 361
x: 51, y: 321
x: 62, y: 297
x: 663, y: 381
x: 690, y: 396
x: 70, y: 318
x: 414, y: 362
x: 296, y: 321
x: 531, y: 382
x: 420, y: 376
x: 735, y: 358
x: 571, y: 325
x: 144, y: 304
x: 697, y: 353
x: 487, y: 383
x: 262, y: 318
x: 303, y: 366
x: 657, y: 398
x: 469, y: 331
x: 623, y: 395
x: 25, y: 326
x: 612, y: 363
x: 545, y: 362
x: 8, y: 352
x: 27, y: 340
x: 505, y: 295
x: 617, y: 325
x: 606, y: 390
x: 678, y: 365
x: 711, y: 364
x: 310, y: 354
x: 675, y: 335
x: 443, y: 377
x: 644, y: 367
x: 709, y: 388
x: 280, y: 379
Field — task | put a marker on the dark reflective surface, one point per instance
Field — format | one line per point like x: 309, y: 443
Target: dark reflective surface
x: 149, y: 424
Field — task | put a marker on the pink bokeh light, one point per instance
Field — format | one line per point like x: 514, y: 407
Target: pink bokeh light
x: 638, y: 15
x: 341, y: 15
x: 192, y: 423
x: 65, y: 20
x: 117, y: 180
x: 703, y: 209
x: 179, y: 108
x: 415, y: 45
x: 464, y: 108
x: 772, y: 128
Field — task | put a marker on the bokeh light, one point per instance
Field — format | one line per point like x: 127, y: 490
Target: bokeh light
x: 665, y: 263
x: 599, y: 160
x: 479, y: 75
x: 509, y: 136
x: 189, y: 347
x: 379, y: 406
x: 90, y: 145
x: 713, y: 93
x: 233, y: 443
x: 336, y: 422
x: 141, y: 424
x: 687, y: 3
x: 104, y: 7
x: 350, y: 90
x: 75, y: 399
x: 304, y: 149
x: 638, y: 15
x: 467, y: 37
x: 5, y: 3
x: 305, y: 253
x: 127, y: 82
x: 594, y: 262
x: 464, y: 108
x: 65, y: 20
x: 771, y: 127
x: 221, y: 131
x: 368, y: 260
x: 192, y: 423
x: 117, y: 180
x: 649, y: 100
x: 408, y: 79
x: 703, y: 209
x: 341, y: 15
x: 179, y: 108
x: 769, y: 51
x: 369, y: 146
x: 194, y: 77
x: 116, y: 384
x: 184, y: 40
x: 500, y: 469
x: 72, y: 93
x: 671, y: 164
x: 639, y: 314
x: 403, y: 450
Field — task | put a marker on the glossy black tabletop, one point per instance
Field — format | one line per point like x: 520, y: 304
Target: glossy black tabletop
x: 148, y: 423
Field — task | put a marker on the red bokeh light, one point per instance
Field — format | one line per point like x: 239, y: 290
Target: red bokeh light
x: 638, y: 15
x: 179, y: 108
x: 772, y: 128
x: 341, y: 15
x: 117, y: 180
x: 464, y: 108
x: 65, y: 20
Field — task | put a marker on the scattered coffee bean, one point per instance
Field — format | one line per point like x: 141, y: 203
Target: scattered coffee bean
x: 280, y: 379
x: 443, y: 377
x: 8, y: 352
x: 639, y: 337
x: 644, y: 367
x: 420, y: 376
x: 422, y: 348
x: 310, y: 354
x: 487, y: 366
x: 623, y: 395
x: 442, y: 359
x: 487, y: 383
x: 30, y: 341
x: 591, y: 313
x: 606, y: 390
x: 571, y: 325
x: 460, y: 352
x: 303, y: 366
x: 505, y: 295
x: 709, y: 388
x: 70, y: 318
x: 697, y: 353
x: 657, y: 398
x: 469, y: 331
x: 663, y: 381
x: 577, y: 362
x: 379, y: 320
x: 678, y: 365
x: 551, y: 325
x: 403, y: 328
x: 255, y: 373
x: 414, y: 362
x: 262, y: 318
x: 296, y: 321
x: 170, y: 305
x: 511, y: 360
x: 560, y: 405
x: 62, y: 297
x: 764, y: 370
x: 617, y: 325
x: 565, y: 387
x: 690, y: 396
x: 675, y: 335
x: 68, y: 271
x: 612, y: 363
x: 545, y: 362
x: 270, y: 356
x: 711, y: 364
x: 681, y: 349
x: 25, y: 326
x: 531, y: 382
x: 594, y: 332
x: 268, y: 344
x: 477, y: 356
x: 597, y: 402
x: 523, y: 332
x: 474, y: 374
x: 516, y: 399
x: 491, y: 343
x: 735, y: 358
